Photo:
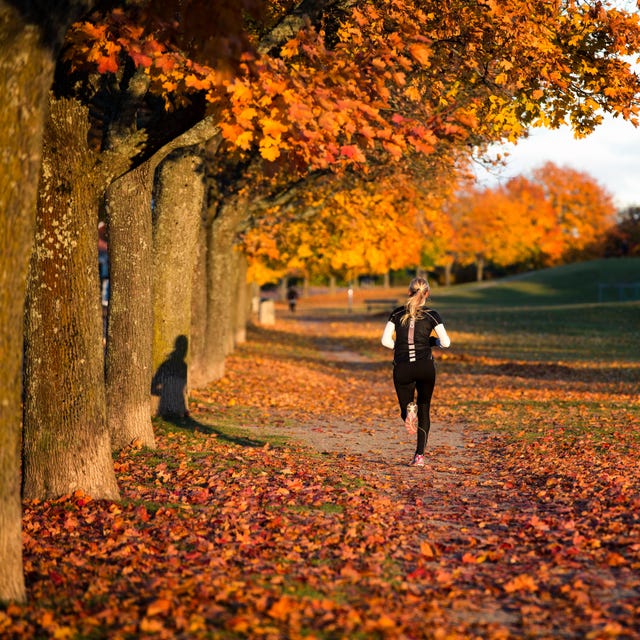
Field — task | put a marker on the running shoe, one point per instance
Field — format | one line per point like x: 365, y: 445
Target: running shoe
x: 411, y: 421
x: 418, y: 461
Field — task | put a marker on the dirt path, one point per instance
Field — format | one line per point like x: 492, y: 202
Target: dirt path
x: 387, y: 445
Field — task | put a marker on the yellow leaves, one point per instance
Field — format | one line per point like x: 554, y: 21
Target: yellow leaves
x: 413, y: 93
x: 246, y: 116
x: 237, y: 135
x: 304, y: 251
x: 523, y: 582
x: 290, y: 49
x: 269, y: 148
x: 273, y: 128
x: 195, y: 82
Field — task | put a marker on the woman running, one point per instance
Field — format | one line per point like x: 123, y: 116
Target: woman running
x: 409, y: 333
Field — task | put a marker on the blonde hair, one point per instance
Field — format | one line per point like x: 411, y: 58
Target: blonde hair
x: 418, y: 294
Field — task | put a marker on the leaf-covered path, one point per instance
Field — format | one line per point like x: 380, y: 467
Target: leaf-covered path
x: 507, y: 528
x: 228, y: 530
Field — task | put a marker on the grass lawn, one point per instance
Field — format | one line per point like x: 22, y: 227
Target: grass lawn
x: 550, y: 315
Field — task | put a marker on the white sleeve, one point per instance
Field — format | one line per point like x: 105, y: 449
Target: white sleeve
x: 443, y: 336
x: 387, y: 336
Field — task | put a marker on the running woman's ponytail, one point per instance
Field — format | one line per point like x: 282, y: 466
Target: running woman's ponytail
x: 418, y: 295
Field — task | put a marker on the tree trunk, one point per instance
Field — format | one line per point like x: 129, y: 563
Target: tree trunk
x: 447, y: 273
x: 128, y: 355
x: 28, y: 49
x: 197, y: 376
x: 178, y: 205
x: 479, y: 268
x: 242, y: 306
x: 221, y: 286
x: 24, y: 82
x: 66, y: 442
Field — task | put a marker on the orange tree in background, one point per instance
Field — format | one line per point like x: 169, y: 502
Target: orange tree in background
x: 549, y: 218
x: 583, y: 210
x: 349, y: 228
x: 426, y: 79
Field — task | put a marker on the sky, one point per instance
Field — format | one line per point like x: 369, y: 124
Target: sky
x: 611, y: 155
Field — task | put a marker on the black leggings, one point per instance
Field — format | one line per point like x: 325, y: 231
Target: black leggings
x: 409, y: 377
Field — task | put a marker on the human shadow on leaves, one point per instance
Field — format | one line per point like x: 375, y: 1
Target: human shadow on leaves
x: 169, y: 382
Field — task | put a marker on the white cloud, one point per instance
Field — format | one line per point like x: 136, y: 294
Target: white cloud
x: 611, y: 155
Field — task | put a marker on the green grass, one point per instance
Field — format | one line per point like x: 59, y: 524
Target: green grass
x: 549, y: 315
x: 570, y: 284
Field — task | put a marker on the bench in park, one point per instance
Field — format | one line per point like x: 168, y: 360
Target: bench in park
x: 382, y: 304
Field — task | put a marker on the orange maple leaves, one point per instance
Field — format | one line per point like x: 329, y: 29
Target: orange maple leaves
x: 225, y: 534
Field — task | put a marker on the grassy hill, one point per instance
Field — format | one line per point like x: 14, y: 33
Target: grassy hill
x: 576, y: 283
x: 552, y: 314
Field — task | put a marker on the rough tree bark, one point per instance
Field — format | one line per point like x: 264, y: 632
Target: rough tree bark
x: 66, y: 441
x: 128, y: 354
x: 221, y: 285
x: 29, y: 42
x: 178, y: 202
x: 130, y: 339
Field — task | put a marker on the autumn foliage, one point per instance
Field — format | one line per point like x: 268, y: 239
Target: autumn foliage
x: 551, y: 217
x: 226, y: 533
x: 382, y: 100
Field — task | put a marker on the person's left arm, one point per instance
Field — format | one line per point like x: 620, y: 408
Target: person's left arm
x: 443, y: 339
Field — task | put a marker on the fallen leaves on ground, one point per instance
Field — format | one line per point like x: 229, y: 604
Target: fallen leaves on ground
x: 529, y: 533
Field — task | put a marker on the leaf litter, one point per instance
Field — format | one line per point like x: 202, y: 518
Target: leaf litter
x: 306, y: 522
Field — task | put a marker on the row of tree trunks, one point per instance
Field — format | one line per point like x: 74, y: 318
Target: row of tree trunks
x: 77, y: 404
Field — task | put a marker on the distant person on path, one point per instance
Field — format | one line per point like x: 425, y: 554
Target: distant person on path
x: 408, y: 332
x: 292, y: 298
x: 103, y: 268
x: 103, y: 263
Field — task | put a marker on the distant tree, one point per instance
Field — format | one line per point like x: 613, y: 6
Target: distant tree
x: 623, y: 238
x: 582, y: 208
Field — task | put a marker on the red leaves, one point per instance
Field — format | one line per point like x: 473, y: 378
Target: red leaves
x: 221, y: 534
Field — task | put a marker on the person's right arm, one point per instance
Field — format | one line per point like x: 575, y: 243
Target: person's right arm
x: 387, y: 336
